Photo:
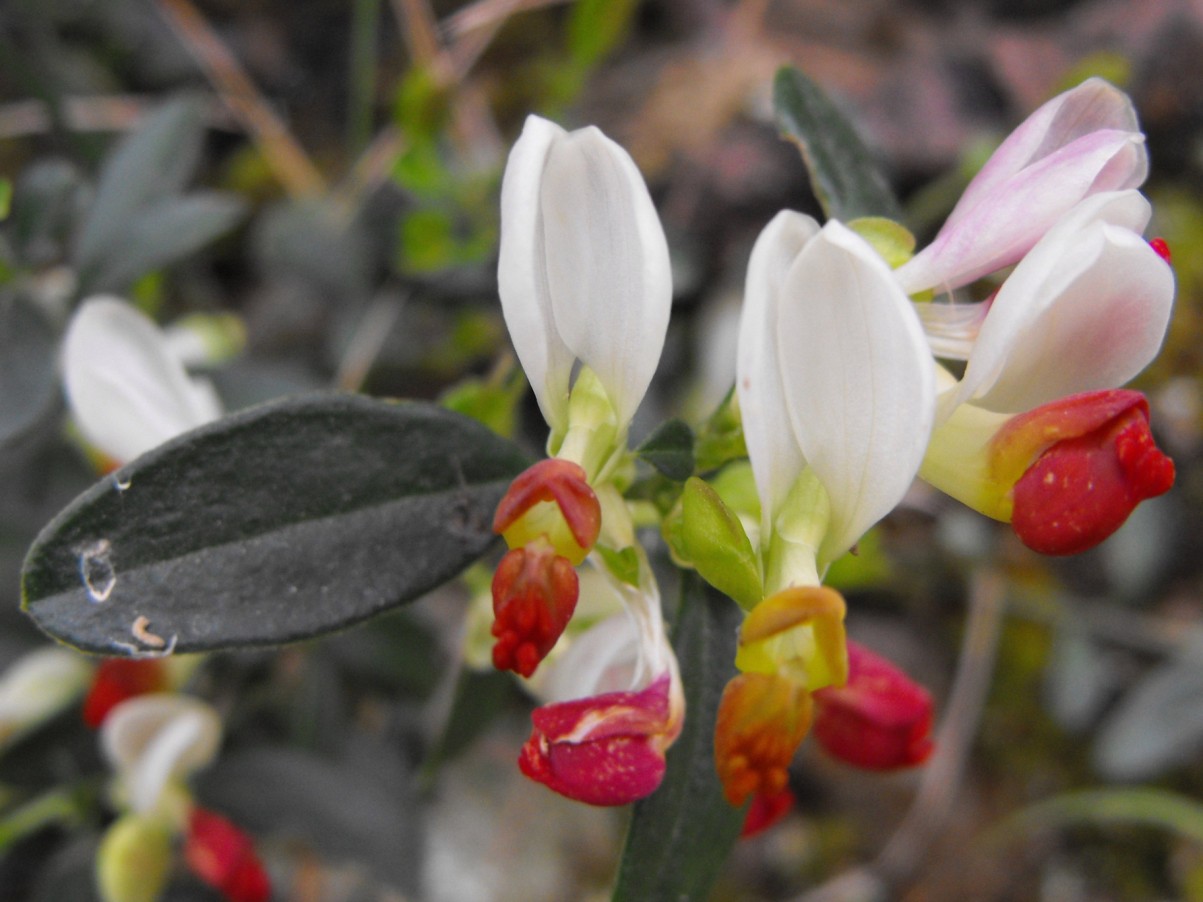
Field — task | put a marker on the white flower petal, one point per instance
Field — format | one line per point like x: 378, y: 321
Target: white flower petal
x: 126, y: 390
x: 38, y: 685
x: 154, y: 739
x: 772, y: 449
x: 859, y: 380
x: 1086, y: 309
x: 604, y: 658
x: 522, y: 272
x: 607, y: 261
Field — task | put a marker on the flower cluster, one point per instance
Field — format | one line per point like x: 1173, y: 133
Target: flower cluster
x: 844, y: 400
x: 585, y: 288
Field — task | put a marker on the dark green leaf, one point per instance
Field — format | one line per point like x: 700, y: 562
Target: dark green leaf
x: 680, y: 836
x: 843, y: 174
x: 164, y: 233
x: 152, y: 163
x: 28, y: 381
x: 46, y: 201
x: 670, y: 450
x: 282, y: 522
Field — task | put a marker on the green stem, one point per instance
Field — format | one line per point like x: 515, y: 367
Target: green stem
x: 67, y: 805
x: 364, y: 59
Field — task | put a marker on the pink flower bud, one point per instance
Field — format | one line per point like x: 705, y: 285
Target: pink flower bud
x: 604, y: 750
x: 879, y: 720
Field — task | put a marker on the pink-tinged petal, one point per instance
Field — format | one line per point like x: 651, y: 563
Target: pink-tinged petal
x: 607, y: 264
x: 766, y: 811
x: 1093, y: 106
x: 880, y: 719
x: 772, y: 448
x: 1092, y: 461
x: 1083, y: 142
x: 522, y: 272
x: 126, y: 391
x: 604, y: 750
x: 859, y: 380
x: 1087, y: 309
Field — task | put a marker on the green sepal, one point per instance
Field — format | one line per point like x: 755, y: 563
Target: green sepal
x: 712, y: 539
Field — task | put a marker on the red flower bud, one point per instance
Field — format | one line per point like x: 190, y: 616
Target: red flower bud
x: 604, y: 750
x: 879, y: 720
x: 558, y: 481
x: 534, y: 594
x: 117, y: 679
x: 762, y: 719
x: 224, y: 857
x: 766, y: 811
x: 1095, y: 461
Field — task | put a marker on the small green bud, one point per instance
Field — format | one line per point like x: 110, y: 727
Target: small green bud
x: 891, y: 240
x: 134, y: 860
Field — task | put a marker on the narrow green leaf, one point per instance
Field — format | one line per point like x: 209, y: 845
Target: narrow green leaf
x: 670, y: 450
x: 681, y: 835
x: 843, y: 175
x: 1143, y: 806
x: 278, y: 523
x: 714, y: 541
x: 150, y: 164
x: 164, y: 233
x: 28, y: 380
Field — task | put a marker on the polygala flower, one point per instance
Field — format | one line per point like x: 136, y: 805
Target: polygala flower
x: 585, y: 288
x: 1033, y: 433
x: 155, y: 742
x: 836, y: 392
x: 1084, y: 310
x: 615, y: 702
x: 125, y: 383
